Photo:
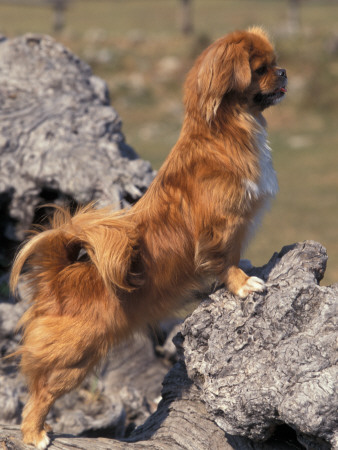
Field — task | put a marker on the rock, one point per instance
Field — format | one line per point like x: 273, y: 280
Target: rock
x: 60, y: 140
x: 271, y: 359
x: 12, y: 389
x: 85, y: 411
x: 133, y: 374
x: 10, y: 313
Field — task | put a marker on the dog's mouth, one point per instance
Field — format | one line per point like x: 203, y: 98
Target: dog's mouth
x: 271, y: 98
x: 279, y: 92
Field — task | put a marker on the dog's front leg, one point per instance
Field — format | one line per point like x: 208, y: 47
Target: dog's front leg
x: 237, y: 281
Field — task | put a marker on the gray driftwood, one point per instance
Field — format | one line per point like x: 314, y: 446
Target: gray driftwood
x: 271, y: 359
x: 60, y: 140
x: 256, y: 374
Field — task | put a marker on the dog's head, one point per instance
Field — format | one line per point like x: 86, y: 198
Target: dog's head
x: 240, y: 67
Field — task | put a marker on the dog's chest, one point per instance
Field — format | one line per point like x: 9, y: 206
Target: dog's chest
x: 267, y: 184
x: 262, y: 190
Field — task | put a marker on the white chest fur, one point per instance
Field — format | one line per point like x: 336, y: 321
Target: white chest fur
x: 267, y: 185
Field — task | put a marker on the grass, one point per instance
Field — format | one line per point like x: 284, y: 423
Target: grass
x: 135, y: 45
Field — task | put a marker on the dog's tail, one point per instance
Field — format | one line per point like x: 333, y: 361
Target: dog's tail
x: 76, y: 272
x: 102, y: 239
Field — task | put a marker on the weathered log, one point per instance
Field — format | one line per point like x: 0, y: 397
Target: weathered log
x: 272, y: 359
x: 60, y: 140
x: 254, y: 374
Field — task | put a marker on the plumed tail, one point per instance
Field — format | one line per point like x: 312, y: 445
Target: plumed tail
x: 100, y: 239
x: 74, y: 271
x: 31, y: 247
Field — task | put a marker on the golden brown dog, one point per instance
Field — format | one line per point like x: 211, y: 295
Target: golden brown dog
x: 100, y: 275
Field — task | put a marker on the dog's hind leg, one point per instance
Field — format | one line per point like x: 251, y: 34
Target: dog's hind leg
x: 57, y: 354
x: 47, y: 388
x: 33, y: 418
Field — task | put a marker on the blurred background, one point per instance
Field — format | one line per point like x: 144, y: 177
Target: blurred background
x: 143, y: 50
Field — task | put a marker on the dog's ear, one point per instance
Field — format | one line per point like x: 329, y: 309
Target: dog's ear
x: 224, y: 68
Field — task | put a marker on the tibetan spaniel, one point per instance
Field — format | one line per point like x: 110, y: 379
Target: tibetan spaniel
x: 98, y: 276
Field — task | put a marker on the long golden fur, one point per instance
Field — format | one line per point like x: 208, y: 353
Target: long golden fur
x: 98, y: 276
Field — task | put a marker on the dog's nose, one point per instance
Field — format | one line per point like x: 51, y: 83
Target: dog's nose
x: 281, y: 73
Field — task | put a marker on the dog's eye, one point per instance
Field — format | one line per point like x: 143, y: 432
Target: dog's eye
x: 261, y: 70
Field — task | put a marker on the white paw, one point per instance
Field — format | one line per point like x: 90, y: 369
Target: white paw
x: 41, y: 445
x: 253, y: 284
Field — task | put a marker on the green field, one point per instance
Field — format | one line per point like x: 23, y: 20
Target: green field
x: 136, y: 46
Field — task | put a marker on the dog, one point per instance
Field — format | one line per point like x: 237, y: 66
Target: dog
x: 97, y: 276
